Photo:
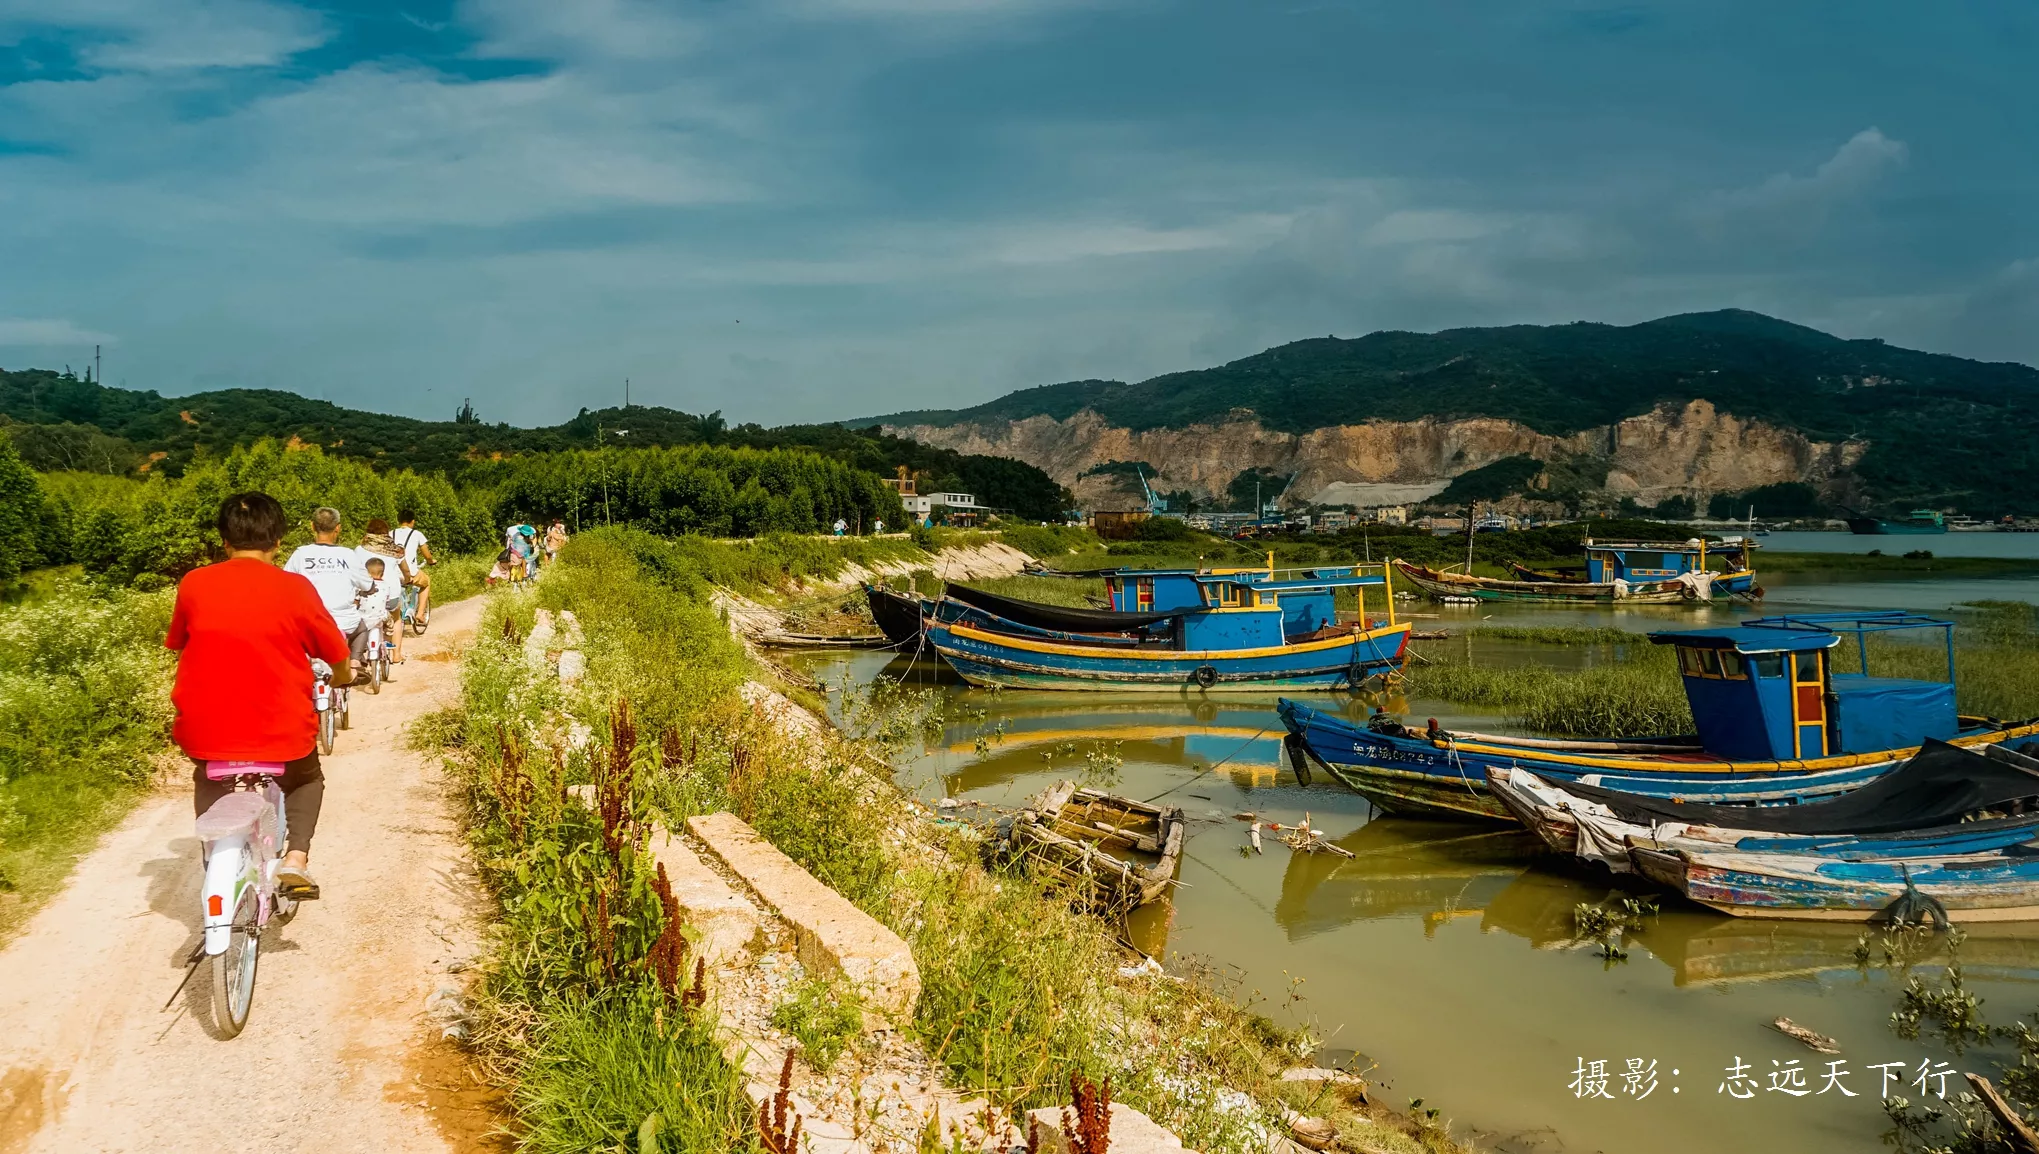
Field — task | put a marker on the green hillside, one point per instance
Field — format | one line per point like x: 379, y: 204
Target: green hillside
x: 1941, y: 429
x: 61, y: 422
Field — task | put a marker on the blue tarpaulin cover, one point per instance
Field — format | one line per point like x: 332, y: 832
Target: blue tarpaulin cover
x: 1875, y: 713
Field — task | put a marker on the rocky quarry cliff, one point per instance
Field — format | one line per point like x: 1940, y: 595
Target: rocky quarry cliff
x: 1691, y: 450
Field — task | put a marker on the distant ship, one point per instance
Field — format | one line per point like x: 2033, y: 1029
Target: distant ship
x: 1919, y: 521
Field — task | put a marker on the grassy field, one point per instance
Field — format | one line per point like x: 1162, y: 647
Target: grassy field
x: 1018, y: 990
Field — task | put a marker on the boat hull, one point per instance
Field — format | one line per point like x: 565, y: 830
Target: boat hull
x: 1422, y: 776
x: 898, y: 615
x: 1979, y: 888
x: 987, y: 658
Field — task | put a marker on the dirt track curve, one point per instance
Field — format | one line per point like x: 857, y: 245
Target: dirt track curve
x: 342, y: 1052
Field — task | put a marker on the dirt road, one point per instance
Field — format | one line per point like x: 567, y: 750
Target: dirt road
x: 342, y: 1051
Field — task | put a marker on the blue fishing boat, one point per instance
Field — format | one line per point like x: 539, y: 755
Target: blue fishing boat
x: 1257, y: 631
x: 1944, y: 800
x: 1997, y: 886
x: 1776, y: 725
x: 1648, y: 563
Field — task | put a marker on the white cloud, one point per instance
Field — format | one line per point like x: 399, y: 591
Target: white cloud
x: 1788, y: 203
x: 581, y: 29
x: 31, y: 332
x: 174, y: 35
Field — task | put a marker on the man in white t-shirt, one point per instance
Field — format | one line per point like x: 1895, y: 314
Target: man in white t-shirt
x: 337, y: 574
x: 415, y: 546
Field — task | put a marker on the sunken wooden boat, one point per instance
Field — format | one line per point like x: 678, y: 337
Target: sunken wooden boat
x: 1687, y: 587
x: 1776, y: 726
x: 1121, y: 853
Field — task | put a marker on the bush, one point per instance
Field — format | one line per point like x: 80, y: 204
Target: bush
x: 84, y: 713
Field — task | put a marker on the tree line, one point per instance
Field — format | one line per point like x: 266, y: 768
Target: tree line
x: 149, y: 529
x: 60, y: 422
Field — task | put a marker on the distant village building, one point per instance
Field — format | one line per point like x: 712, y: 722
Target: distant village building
x: 956, y: 508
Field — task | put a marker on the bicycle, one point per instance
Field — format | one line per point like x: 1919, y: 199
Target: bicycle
x: 244, y: 834
x: 377, y: 660
x: 413, y: 617
x: 331, y: 703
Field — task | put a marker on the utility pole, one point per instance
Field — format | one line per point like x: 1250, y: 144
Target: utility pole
x: 97, y: 378
x: 626, y: 392
x: 1472, y: 510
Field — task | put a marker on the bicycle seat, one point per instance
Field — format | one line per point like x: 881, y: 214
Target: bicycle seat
x: 228, y: 770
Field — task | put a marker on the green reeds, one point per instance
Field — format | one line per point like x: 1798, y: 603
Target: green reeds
x: 1641, y: 697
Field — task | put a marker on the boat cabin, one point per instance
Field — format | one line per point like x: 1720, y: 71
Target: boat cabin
x: 1767, y: 689
x: 1659, y: 560
x: 1166, y: 590
x: 1255, y: 609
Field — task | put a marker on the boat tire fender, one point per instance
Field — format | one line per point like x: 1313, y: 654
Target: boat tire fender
x: 1205, y: 676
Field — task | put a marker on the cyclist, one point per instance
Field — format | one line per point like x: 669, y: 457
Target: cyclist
x: 246, y: 633
x: 337, y: 574
x: 522, y: 542
x: 383, y: 561
x: 417, y: 554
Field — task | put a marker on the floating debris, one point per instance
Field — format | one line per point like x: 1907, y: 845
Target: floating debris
x: 1819, y: 1042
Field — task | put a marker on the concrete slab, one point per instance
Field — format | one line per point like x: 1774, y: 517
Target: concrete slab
x: 730, y: 927
x: 832, y: 936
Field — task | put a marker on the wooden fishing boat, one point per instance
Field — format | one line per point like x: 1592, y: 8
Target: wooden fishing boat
x: 1694, y: 587
x: 1998, y: 886
x: 1260, y: 632
x: 1124, y: 852
x: 1649, y: 562
x: 1776, y: 726
x: 898, y: 614
x: 1943, y: 800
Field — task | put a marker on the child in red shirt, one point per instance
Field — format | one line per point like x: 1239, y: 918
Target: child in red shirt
x: 247, y: 631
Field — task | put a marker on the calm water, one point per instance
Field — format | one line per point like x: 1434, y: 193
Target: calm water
x: 1941, y: 544
x: 1443, y: 952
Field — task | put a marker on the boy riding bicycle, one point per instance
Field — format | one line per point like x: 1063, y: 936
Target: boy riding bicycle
x: 247, y: 632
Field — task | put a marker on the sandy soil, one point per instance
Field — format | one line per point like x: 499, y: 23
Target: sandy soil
x: 342, y: 1051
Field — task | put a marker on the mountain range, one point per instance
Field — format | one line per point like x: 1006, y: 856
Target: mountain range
x: 1689, y: 408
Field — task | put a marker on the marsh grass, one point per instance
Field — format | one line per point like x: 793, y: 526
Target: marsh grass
x: 1638, y: 697
x: 1071, y: 592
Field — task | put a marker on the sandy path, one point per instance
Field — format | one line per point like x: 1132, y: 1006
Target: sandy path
x: 341, y: 1052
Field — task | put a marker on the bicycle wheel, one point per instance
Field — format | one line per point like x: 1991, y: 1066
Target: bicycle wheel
x: 375, y: 676
x: 346, y: 714
x: 233, y: 971
x: 420, y: 619
x: 326, y: 730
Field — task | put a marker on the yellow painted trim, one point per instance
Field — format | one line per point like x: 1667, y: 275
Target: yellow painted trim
x: 1839, y: 761
x: 1029, y: 645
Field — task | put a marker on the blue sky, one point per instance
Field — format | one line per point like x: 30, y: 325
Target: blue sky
x: 814, y: 209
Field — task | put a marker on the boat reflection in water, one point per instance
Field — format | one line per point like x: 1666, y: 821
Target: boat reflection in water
x: 1437, y: 873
